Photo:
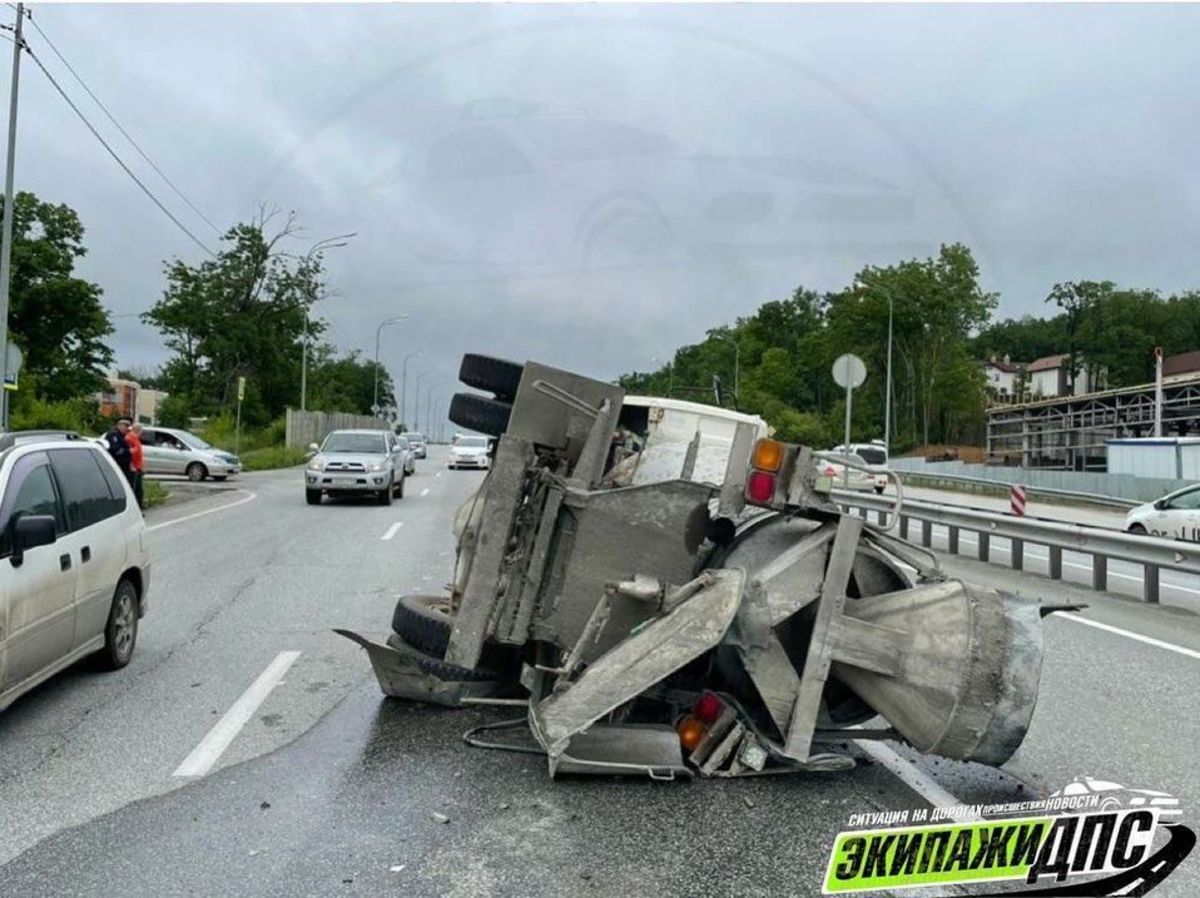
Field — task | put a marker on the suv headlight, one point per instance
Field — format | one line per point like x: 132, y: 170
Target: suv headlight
x: 314, y: 464
x: 377, y: 467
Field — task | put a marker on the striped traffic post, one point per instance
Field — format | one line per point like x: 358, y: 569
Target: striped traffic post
x: 1016, y: 499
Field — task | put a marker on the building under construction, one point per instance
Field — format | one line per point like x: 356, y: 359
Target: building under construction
x: 1069, y: 432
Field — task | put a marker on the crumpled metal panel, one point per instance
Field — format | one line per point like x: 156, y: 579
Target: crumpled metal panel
x: 643, y: 659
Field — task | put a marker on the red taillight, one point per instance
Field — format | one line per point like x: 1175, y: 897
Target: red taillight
x: 830, y: 471
x: 760, y: 487
x: 708, y: 708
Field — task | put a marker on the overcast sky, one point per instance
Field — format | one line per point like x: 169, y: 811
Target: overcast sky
x: 593, y: 186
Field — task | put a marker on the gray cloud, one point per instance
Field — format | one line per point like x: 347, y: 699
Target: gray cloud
x: 592, y: 186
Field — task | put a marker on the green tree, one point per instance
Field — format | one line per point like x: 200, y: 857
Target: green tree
x: 56, y: 318
x: 242, y: 314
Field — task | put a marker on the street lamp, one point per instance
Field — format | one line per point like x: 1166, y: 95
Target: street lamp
x: 378, y: 331
x: 417, y: 402
x: 860, y: 284
x: 318, y: 247
x: 404, y: 387
x: 737, y: 363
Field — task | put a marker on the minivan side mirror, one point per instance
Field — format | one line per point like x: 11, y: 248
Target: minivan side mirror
x: 30, y: 532
x: 313, y: 447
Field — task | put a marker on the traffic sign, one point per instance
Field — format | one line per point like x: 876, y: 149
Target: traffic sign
x: 241, y: 388
x: 12, y: 366
x: 849, y: 371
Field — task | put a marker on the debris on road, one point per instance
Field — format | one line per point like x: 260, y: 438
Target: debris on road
x: 437, y: 817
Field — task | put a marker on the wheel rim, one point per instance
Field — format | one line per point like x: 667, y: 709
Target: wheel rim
x: 123, y: 626
x: 195, y: 472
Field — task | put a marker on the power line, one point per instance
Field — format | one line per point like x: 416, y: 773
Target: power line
x: 146, y: 190
x: 117, y: 125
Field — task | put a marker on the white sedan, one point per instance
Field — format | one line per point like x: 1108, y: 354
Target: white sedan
x: 845, y: 476
x: 1174, y: 516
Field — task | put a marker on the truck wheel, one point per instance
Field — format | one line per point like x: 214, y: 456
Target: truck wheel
x: 425, y: 622
x: 498, y: 376
x: 480, y: 414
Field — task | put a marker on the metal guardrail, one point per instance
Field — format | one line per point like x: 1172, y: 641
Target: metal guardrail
x: 1151, y: 552
x: 1090, y: 498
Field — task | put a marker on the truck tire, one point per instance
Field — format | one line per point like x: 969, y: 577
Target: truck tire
x: 492, y: 375
x: 478, y: 413
x: 425, y: 622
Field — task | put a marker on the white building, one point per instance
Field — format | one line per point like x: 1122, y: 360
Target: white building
x: 1049, y: 376
x: 1002, y: 376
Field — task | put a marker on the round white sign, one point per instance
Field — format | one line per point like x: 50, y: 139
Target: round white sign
x: 849, y: 371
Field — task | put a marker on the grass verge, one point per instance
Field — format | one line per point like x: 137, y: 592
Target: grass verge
x: 273, y: 457
x: 153, y: 493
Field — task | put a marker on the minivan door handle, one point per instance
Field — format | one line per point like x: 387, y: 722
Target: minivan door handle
x: 64, y: 561
x: 86, y: 555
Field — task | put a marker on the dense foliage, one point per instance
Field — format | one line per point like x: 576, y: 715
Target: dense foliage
x: 942, y: 328
x: 246, y: 313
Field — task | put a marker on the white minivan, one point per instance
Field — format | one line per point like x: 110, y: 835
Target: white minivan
x: 74, y: 571
x: 875, y: 455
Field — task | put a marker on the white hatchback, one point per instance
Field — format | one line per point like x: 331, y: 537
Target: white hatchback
x: 74, y: 571
x: 1174, y: 516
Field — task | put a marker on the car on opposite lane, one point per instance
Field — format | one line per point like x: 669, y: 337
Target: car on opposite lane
x: 76, y: 569
x: 356, y: 463
x: 171, y: 451
x: 1174, y: 516
x: 845, y: 471
x: 468, y: 451
x: 875, y: 455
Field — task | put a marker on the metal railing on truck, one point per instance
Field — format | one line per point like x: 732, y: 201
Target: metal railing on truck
x: 1151, y: 552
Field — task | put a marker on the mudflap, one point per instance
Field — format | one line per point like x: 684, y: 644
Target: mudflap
x: 400, y: 676
x: 653, y: 651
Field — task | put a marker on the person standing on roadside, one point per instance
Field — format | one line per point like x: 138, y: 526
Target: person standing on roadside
x: 118, y: 447
x: 136, y: 461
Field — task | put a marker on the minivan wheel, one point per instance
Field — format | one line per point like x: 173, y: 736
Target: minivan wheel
x: 120, y: 634
x: 196, y: 471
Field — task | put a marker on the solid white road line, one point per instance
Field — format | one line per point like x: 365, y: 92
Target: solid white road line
x: 212, y: 746
x: 425, y: 492
x: 1158, y: 643
x: 249, y: 497
x: 913, y: 777
x: 391, y: 531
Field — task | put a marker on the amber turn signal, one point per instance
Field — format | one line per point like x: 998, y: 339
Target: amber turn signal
x: 768, y: 455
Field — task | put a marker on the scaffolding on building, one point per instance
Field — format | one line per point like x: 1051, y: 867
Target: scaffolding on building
x: 1069, y: 432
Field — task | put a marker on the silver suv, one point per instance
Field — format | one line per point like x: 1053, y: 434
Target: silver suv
x: 354, y: 462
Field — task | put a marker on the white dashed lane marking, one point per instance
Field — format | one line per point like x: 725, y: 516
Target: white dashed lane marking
x: 391, y: 531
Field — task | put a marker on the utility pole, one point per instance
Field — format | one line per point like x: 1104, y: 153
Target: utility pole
x: 428, y: 411
x: 6, y: 236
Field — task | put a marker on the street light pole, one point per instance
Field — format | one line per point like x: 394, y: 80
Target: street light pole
x: 404, y: 387
x: 318, y: 247
x: 6, y: 237
x: 417, y: 402
x: 887, y: 397
x: 378, y: 332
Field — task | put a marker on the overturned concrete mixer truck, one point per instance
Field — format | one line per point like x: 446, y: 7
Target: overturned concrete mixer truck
x: 668, y: 591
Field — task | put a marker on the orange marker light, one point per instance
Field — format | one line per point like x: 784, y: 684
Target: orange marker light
x: 691, y: 732
x: 768, y: 455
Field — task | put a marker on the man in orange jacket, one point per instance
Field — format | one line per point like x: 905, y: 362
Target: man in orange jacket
x: 136, y: 461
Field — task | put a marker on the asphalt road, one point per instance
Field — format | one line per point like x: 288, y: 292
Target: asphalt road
x: 328, y: 788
